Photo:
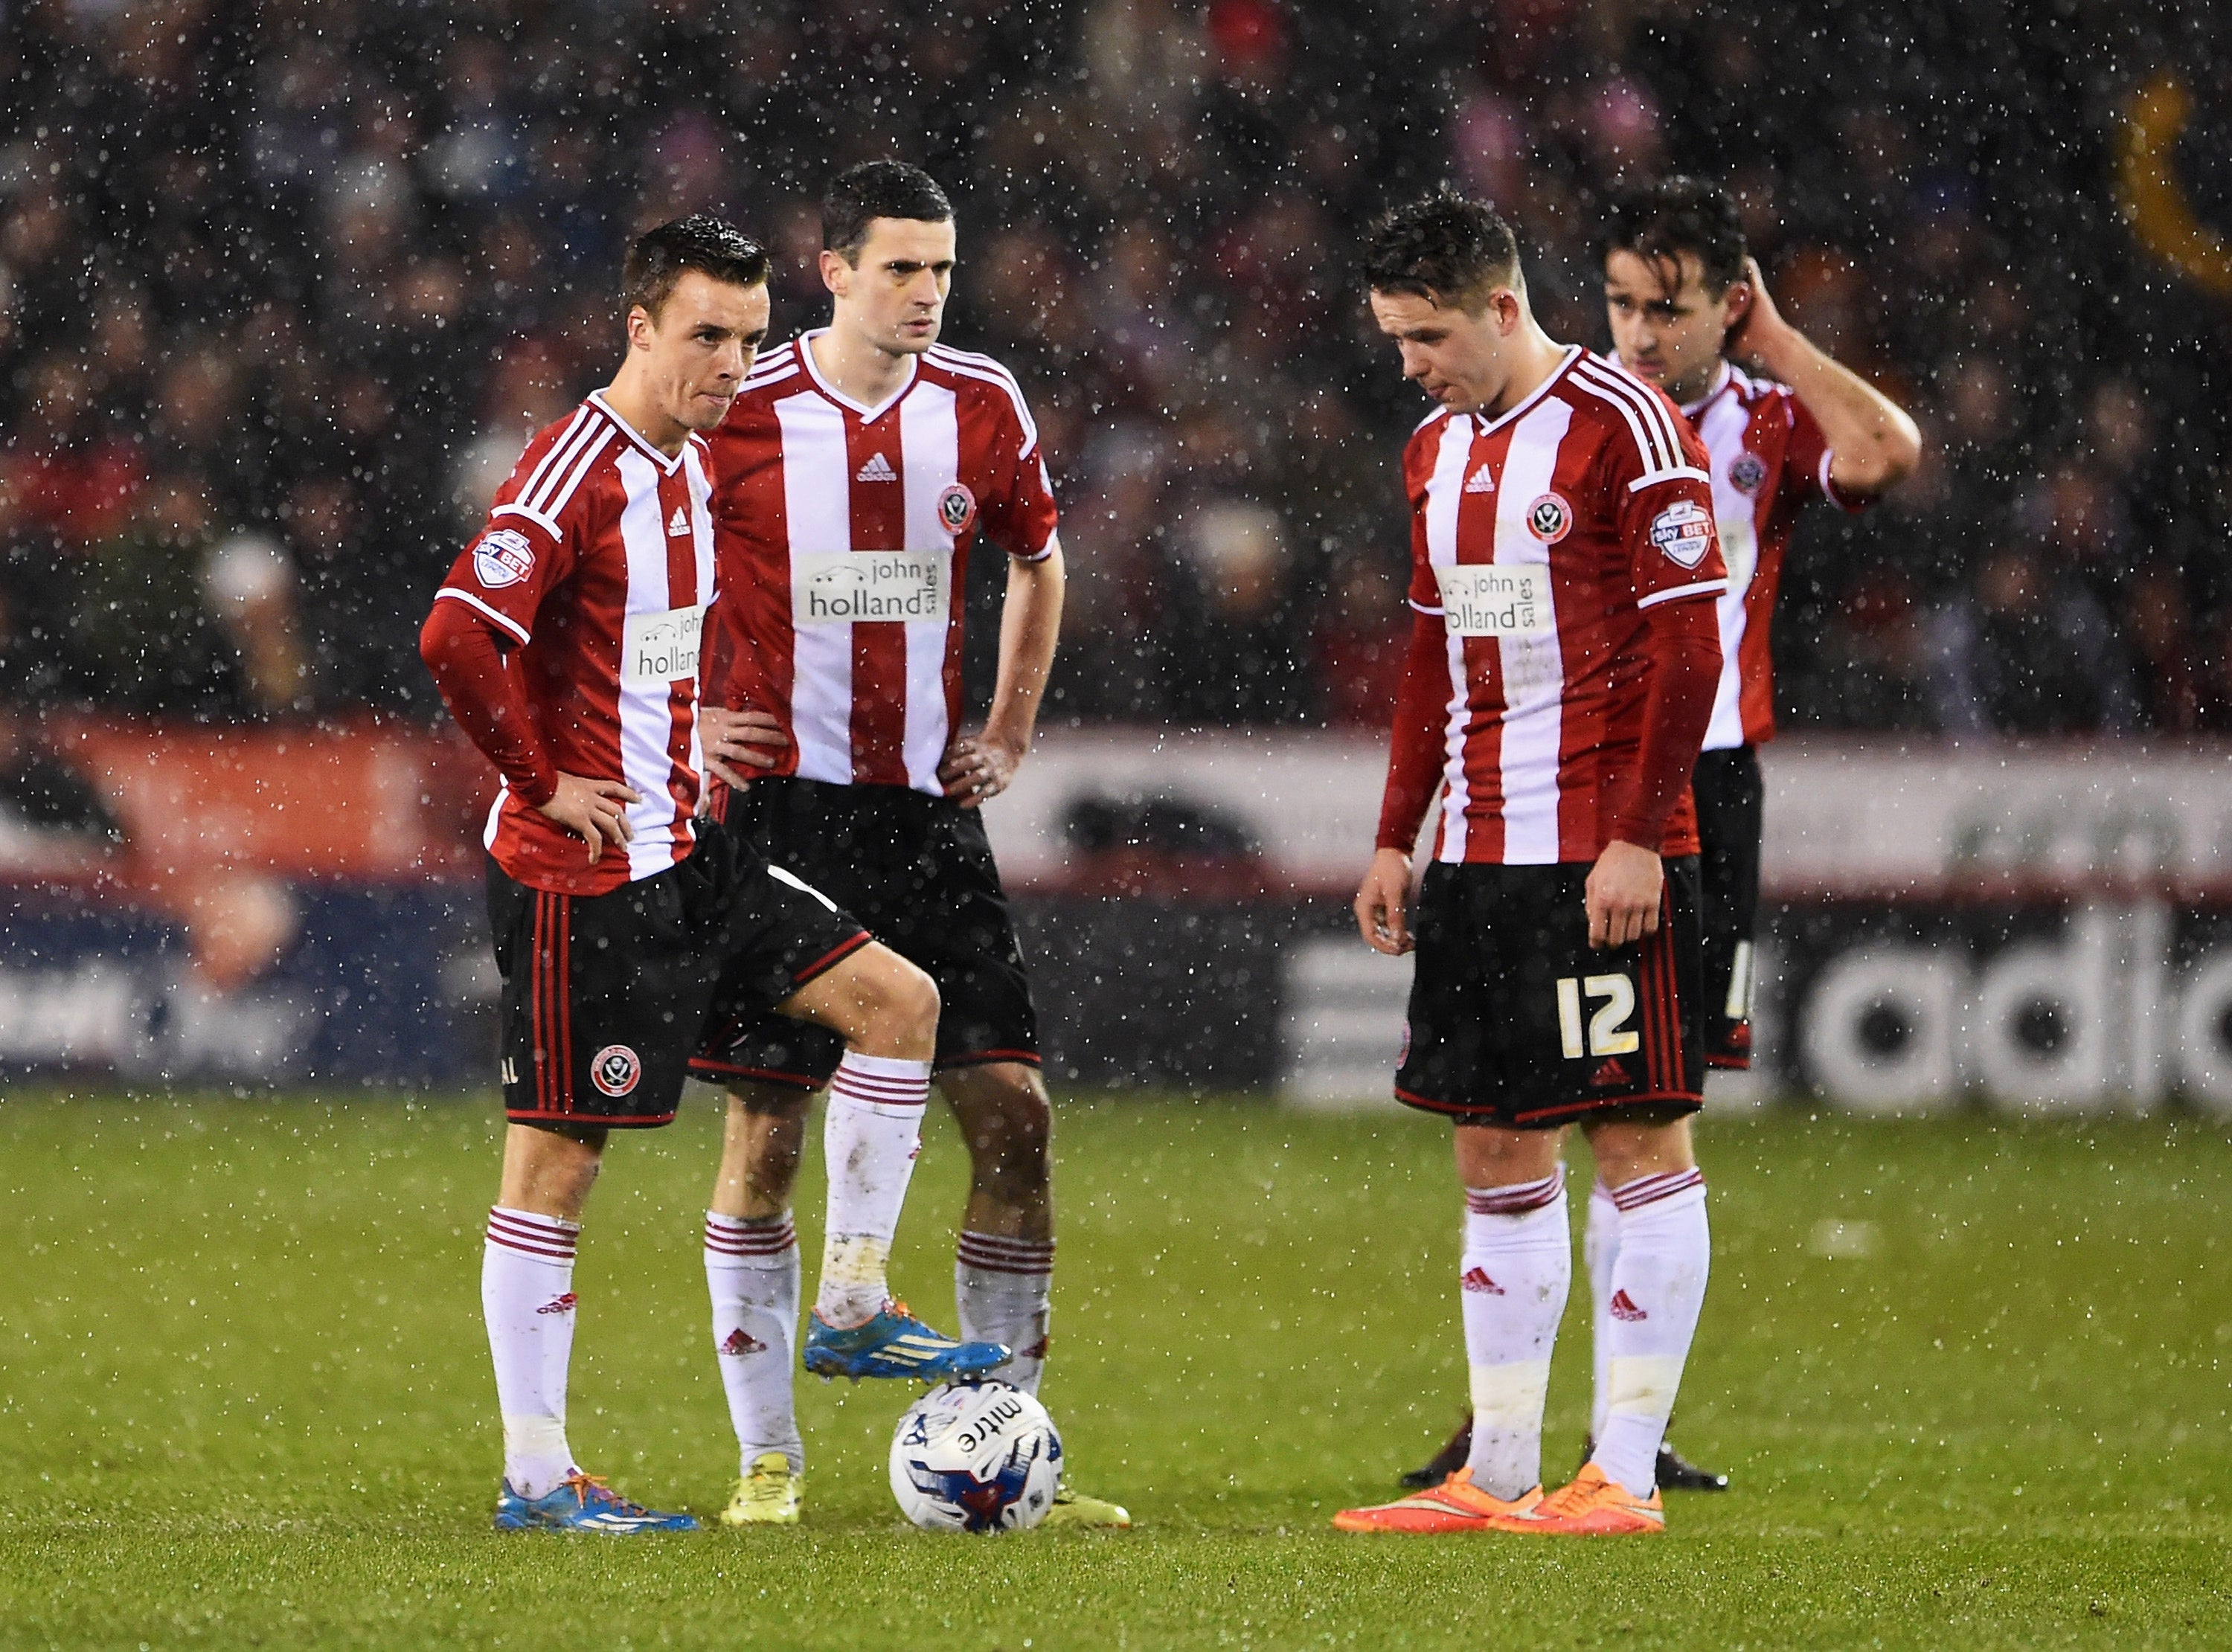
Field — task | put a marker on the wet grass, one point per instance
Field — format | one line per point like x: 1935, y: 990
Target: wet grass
x: 1970, y: 1380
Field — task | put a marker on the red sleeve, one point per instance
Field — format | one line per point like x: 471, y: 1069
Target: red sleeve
x: 487, y: 607
x: 1664, y: 512
x: 465, y: 653
x: 1017, y: 510
x: 1806, y: 459
x: 1682, y: 645
x: 1414, y: 757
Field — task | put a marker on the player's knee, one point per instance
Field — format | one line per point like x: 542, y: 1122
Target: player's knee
x: 910, y: 999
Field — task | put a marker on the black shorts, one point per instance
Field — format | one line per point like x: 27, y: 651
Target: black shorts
x: 1517, y: 1020
x: 1730, y: 795
x: 606, y: 996
x: 918, y: 871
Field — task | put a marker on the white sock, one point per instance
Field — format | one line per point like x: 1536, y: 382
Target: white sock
x: 869, y: 1138
x: 1657, y: 1289
x: 751, y: 1274
x: 1599, y: 1247
x: 1518, y: 1266
x: 527, y: 1297
x: 1001, y: 1288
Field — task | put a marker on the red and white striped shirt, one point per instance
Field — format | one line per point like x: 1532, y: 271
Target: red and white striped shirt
x: 597, y: 560
x: 1768, y: 458
x: 844, y: 535
x: 1540, y: 540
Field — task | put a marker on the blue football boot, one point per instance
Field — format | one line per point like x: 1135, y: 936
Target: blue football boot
x: 583, y: 1503
x: 896, y: 1344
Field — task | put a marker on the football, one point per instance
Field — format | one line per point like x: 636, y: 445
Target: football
x: 976, y: 1457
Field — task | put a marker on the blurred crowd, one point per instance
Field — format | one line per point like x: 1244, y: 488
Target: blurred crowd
x: 285, y: 287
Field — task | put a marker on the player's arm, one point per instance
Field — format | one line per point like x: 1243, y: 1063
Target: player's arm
x: 1677, y: 575
x: 475, y: 623
x: 1019, y: 514
x: 1413, y: 772
x: 1872, y: 442
x: 1681, y: 646
x: 979, y: 766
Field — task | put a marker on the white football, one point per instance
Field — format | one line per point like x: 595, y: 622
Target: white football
x: 976, y: 1457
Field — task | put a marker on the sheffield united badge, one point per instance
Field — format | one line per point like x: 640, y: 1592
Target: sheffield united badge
x: 956, y: 509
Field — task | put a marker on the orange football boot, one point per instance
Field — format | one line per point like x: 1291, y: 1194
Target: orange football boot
x: 1455, y: 1505
x: 1594, y: 1507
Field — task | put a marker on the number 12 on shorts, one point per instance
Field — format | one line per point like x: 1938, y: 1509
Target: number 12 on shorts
x: 1609, y: 1033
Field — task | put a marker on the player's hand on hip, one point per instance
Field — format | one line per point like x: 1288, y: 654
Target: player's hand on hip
x: 594, y: 811
x: 977, y: 768
x: 739, y: 740
x: 1623, y: 893
x: 1381, y: 904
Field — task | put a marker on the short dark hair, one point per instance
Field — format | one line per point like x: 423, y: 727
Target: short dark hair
x: 878, y: 189
x: 700, y: 241
x: 1445, y: 246
x: 1661, y: 221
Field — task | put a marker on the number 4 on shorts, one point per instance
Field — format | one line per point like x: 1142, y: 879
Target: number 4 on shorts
x: 1609, y: 1033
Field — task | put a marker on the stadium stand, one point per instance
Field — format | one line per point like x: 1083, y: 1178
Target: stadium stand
x: 282, y: 288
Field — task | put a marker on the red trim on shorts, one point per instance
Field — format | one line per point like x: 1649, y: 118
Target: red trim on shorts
x: 539, y: 982
x: 562, y: 986
x: 1634, y: 1098
x: 766, y: 1075
x: 589, y: 1121
x: 1729, y: 1063
x: 985, y: 1058
x: 829, y: 960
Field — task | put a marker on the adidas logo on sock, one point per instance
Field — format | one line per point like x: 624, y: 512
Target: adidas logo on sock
x: 1480, y: 481
x: 1623, y: 1307
x: 1476, y: 1281
x: 1036, y: 1351
x: 742, y: 1341
x: 878, y: 469
x: 565, y: 1303
x: 677, y: 525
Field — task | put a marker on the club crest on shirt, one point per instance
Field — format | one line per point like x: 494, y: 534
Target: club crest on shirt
x: 956, y: 508
x: 615, y: 1070
x: 504, y: 556
x: 1685, y: 531
x: 1746, y: 471
x: 1549, y: 518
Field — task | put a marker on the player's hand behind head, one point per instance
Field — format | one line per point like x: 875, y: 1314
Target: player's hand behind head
x: 594, y: 811
x: 1753, y: 317
x: 1382, y: 902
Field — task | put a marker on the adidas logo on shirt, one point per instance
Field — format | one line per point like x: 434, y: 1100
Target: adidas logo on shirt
x: 1480, y: 481
x: 878, y: 469
x: 677, y: 525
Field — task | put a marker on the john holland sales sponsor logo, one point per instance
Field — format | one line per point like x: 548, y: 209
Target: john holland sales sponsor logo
x: 867, y: 587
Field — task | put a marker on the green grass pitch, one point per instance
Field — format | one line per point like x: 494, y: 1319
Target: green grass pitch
x: 1970, y: 1379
